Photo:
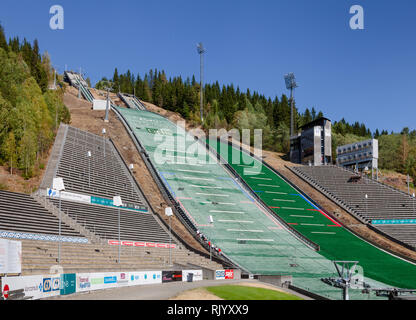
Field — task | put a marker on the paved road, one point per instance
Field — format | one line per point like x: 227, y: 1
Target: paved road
x: 155, y: 292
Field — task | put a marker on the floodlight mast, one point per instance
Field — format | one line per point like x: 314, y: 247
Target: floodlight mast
x: 291, y: 85
x: 201, y: 51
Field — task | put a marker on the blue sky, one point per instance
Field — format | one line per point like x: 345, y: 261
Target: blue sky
x: 362, y: 75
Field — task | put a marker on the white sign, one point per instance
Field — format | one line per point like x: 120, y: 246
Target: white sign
x: 10, y: 257
x: 4, y: 247
x: 68, y: 196
x: 197, y: 275
x: 145, y: 277
x: 168, y: 212
x: 117, y: 201
x: 58, y: 184
x: 99, y: 104
x: 14, y: 257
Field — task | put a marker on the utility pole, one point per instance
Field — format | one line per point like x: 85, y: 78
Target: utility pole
x: 201, y: 51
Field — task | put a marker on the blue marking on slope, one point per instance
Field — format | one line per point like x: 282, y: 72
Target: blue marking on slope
x: 309, y: 202
x: 167, y: 184
x: 242, y: 190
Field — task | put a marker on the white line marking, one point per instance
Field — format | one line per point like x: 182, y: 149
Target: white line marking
x: 235, y: 221
x: 287, y: 208
x: 216, y: 195
x: 239, y: 230
x: 309, y: 224
x: 259, y: 240
x: 324, y: 232
x: 261, y: 178
x: 194, y: 178
x: 268, y: 185
x: 254, y: 172
x: 217, y: 211
x: 275, y: 192
x: 183, y: 170
x: 284, y: 200
x: 222, y: 203
x: 207, y: 187
x: 293, y: 215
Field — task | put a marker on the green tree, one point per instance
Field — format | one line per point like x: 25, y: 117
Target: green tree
x: 10, y: 151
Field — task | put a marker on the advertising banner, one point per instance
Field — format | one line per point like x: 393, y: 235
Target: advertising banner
x: 229, y: 274
x: 220, y: 275
x: 170, y: 276
x: 32, y: 287
x: 140, y: 244
x: 98, y: 281
x: 197, y: 275
x: 68, y: 283
x: 69, y: 196
x: 145, y: 277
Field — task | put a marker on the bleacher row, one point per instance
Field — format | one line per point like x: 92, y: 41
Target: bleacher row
x: 349, y: 190
x: 103, y: 174
x: 21, y: 213
x: 103, y: 221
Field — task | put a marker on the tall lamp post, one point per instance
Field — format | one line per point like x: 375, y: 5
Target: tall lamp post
x: 118, y: 203
x: 366, y: 203
x: 104, y: 132
x: 201, y: 50
x: 413, y: 203
x: 89, y: 168
x: 58, y: 185
x: 169, y: 213
x: 291, y: 85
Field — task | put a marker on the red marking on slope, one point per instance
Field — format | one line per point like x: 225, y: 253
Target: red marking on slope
x: 295, y: 224
x: 336, y: 223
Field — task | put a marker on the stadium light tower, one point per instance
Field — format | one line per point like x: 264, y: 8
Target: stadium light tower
x: 201, y: 50
x: 291, y: 84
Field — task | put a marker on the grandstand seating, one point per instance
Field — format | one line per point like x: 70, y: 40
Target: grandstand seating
x: 383, y: 202
x: 21, y: 213
x: 39, y: 256
x: 103, y: 174
x: 103, y: 222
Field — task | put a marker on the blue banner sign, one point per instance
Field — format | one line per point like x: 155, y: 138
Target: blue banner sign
x: 394, y: 221
x: 109, y: 203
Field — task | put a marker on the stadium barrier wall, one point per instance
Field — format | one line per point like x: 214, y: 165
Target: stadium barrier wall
x: 48, y: 286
